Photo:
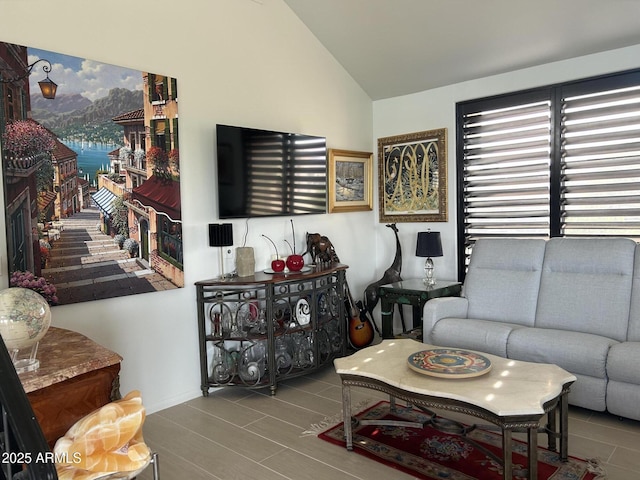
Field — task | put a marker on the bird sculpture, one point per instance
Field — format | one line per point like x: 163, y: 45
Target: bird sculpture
x: 391, y: 274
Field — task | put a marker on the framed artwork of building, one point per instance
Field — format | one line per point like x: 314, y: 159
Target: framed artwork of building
x: 91, y: 167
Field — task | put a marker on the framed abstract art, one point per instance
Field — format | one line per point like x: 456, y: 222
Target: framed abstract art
x: 412, y: 182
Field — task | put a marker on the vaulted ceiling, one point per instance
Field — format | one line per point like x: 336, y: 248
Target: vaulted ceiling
x: 398, y: 47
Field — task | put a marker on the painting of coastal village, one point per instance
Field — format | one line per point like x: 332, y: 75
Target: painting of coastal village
x: 91, y: 171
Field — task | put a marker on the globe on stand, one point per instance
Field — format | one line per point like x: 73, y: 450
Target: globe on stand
x: 25, y: 317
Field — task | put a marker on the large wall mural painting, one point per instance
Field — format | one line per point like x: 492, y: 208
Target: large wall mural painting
x: 91, y: 169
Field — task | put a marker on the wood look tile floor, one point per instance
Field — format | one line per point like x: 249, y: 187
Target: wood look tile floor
x: 239, y: 434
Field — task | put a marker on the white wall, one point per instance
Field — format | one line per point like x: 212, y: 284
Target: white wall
x: 239, y: 62
x: 436, y: 109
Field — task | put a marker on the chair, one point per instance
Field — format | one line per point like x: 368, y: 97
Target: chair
x: 24, y: 450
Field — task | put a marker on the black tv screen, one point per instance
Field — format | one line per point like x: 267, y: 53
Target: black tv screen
x: 265, y: 173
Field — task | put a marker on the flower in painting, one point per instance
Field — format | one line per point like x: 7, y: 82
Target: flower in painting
x: 157, y: 157
x: 139, y: 155
x: 24, y: 138
x: 174, y: 159
x: 37, y: 284
x: 125, y: 153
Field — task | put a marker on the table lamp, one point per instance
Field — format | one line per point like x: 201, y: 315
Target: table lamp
x: 429, y: 245
x: 221, y: 235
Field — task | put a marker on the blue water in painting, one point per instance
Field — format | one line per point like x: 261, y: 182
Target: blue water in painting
x: 91, y: 158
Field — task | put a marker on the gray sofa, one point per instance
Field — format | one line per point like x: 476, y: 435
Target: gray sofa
x: 572, y: 302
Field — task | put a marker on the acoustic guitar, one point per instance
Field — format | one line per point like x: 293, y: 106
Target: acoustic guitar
x: 364, y: 314
x: 360, y: 329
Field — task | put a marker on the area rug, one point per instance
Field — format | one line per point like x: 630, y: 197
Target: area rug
x: 430, y: 454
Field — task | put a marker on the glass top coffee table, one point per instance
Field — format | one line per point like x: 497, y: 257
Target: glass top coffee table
x: 513, y: 395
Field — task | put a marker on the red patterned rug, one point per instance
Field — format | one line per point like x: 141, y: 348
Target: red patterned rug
x: 430, y: 454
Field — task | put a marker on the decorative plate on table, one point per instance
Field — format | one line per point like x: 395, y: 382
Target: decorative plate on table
x: 303, y: 312
x: 449, y: 363
x: 304, y: 269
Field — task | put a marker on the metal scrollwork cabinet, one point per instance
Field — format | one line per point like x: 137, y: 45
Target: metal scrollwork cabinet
x: 256, y: 331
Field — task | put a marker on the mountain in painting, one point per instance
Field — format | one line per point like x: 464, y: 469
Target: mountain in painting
x: 75, y: 116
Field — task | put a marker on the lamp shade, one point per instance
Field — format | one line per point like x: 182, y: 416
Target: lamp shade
x: 429, y: 244
x: 48, y: 88
x: 220, y: 234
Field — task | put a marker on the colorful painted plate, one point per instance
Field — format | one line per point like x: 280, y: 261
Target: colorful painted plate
x: 449, y: 363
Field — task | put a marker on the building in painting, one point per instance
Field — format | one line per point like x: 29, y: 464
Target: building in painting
x: 19, y: 171
x: 84, y: 192
x: 15, y: 100
x: 65, y: 181
x: 149, y: 160
x: 155, y: 213
x: 130, y: 159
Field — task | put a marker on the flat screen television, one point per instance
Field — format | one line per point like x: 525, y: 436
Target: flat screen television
x: 265, y: 173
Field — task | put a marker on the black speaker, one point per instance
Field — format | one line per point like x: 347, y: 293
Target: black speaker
x: 220, y: 234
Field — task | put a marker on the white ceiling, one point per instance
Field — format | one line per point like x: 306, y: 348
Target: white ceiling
x: 397, y: 47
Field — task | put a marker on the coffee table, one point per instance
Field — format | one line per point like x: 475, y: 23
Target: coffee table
x: 513, y: 395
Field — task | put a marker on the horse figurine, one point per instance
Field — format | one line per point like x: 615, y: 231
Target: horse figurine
x: 321, y: 249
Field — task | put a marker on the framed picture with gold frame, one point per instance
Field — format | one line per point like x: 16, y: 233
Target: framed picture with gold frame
x: 412, y: 182
x: 350, y: 181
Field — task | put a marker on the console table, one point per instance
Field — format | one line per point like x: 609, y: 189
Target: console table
x: 413, y: 292
x: 257, y: 330
x: 76, y: 376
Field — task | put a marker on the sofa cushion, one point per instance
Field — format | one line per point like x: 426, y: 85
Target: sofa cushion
x: 589, y: 392
x: 483, y: 335
x: 503, y: 279
x: 579, y: 353
x: 623, y: 361
x: 438, y: 308
x: 586, y: 286
x: 633, y: 331
x: 620, y: 397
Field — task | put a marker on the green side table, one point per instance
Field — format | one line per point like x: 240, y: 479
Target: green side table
x: 411, y: 292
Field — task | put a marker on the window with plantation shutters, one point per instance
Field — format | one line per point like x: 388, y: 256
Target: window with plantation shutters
x: 562, y: 160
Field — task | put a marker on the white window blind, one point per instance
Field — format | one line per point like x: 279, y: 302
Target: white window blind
x: 506, y: 171
x: 601, y: 163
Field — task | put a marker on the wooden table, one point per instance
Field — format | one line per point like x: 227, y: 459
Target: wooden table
x: 412, y: 291
x: 513, y: 395
x: 76, y: 376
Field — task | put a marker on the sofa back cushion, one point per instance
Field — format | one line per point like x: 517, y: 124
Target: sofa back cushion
x: 586, y: 286
x: 633, y: 332
x: 503, y: 279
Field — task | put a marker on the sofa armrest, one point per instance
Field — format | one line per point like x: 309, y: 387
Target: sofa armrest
x: 443, y: 307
